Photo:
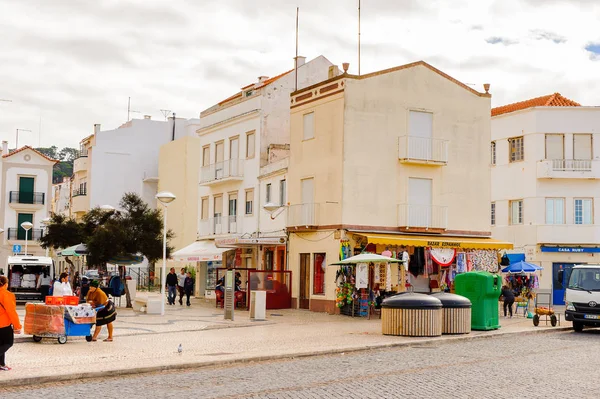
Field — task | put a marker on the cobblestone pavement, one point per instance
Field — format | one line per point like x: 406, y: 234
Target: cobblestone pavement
x: 563, y: 364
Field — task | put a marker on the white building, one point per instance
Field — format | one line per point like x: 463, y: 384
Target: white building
x: 26, y: 187
x: 61, y: 197
x: 245, y: 144
x: 545, y: 156
x: 126, y: 160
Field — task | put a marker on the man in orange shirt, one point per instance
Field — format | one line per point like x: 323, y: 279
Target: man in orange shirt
x: 9, y: 321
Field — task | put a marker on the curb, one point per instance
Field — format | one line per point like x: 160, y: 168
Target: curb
x: 196, y: 365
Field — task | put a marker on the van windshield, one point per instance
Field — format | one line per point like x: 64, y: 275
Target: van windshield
x: 585, y: 280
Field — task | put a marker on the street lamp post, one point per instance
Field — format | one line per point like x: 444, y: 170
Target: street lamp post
x: 45, y: 222
x: 165, y: 198
x: 26, y: 226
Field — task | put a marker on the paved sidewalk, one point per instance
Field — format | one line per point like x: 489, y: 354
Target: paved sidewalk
x: 149, y: 342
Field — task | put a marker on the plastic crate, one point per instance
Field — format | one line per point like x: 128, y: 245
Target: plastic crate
x: 71, y: 300
x: 55, y: 300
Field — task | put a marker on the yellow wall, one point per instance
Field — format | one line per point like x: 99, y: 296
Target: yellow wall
x: 178, y: 169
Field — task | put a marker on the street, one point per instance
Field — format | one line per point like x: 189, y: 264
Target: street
x: 561, y: 364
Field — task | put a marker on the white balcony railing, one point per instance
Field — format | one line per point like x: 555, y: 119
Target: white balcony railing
x: 572, y: 165
x: 424, y: 216
x: 568, y: 169
x: 219, y: 171
x: 303, y: 215
x: 423, y: 150
x: 219, y: 225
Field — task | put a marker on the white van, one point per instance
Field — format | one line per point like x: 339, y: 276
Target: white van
x: 23, y: 275
x: 582, y: 296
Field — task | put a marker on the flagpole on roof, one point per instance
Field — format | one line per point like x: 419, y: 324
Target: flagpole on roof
x: 358, y: 37
x: 296, y: 58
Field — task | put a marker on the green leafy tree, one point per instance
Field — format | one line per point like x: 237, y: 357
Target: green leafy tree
x: 68, y: 154
x: 63, y: 232
x: 51, y: 152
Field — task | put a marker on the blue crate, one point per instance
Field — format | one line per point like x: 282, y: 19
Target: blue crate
x: 77, y: 330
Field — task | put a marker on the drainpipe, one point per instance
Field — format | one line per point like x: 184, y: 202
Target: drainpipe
x: 173, y: 138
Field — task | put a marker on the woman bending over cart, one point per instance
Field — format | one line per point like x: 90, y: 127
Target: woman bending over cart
x: 96, y: 297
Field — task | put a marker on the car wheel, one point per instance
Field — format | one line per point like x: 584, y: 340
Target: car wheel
x: 578, y: 326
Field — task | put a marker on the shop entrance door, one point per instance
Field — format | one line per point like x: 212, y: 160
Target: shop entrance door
x: 558, y: 286
x: 304, y: 294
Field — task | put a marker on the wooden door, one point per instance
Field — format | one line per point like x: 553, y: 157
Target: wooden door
x: 304, y: 294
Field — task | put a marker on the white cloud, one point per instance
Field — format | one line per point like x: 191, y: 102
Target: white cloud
x: 75, y: 62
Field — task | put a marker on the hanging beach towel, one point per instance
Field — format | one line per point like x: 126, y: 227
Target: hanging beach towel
x: 362, y: 275
x: 443, y: 256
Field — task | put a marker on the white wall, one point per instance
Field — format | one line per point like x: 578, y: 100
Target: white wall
x: 124, y: 157
x: 273, y: 174
x: 12, y: 184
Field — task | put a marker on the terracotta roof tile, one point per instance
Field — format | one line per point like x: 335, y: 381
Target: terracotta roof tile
x: 551, y: 100
x: 265, y: 83
x: 32, y: 149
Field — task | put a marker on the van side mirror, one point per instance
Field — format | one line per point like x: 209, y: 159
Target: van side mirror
x: 561, y: 275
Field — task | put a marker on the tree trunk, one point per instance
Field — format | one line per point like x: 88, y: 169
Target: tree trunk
x: 127, y: 294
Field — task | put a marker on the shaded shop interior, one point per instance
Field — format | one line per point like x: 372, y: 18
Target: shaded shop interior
x: 427, y: 264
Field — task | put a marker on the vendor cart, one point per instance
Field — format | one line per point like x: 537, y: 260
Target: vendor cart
x: 73, y: 327
x: 545, y: 311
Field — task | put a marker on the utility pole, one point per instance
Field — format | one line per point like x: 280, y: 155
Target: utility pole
x: 358, y: 37
x: 129, y: 110
x: 17, y: 140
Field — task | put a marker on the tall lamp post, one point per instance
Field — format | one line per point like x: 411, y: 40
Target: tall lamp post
x: 45, y: 222
x: 26, y: 226
x: 165, y: 198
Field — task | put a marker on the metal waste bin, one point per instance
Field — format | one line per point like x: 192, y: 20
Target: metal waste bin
x: 483, y: 290
x: 258, y: 305
x: 456, y: 312
x: 411, y: 314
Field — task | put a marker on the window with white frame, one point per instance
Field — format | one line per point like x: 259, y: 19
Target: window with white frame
x: 493, y: 153
x: 555, y: 211
x: 268, y: 193
x: 516, y: 149
x: 308, y: 126
x: 249, y: 202
x: 516, y: 211
x: 282, y: 189
x: 493, y: 214
x: 583, y: 211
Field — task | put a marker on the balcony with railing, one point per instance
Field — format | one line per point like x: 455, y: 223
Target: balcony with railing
x: 423, y: 150
x: 79, y: 191
x: 22, y: 197
x: 568, y: 169
x: 219, y: 225
x: 303, y: 215
x: 422, y: 216
x: 220, y: 172
x: 18, y: 233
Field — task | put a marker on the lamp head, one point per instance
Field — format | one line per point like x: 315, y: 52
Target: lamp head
x: 271, y: 207
x: 26, y: 225
x: 165, y: 197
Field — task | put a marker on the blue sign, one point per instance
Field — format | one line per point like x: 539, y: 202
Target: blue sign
x: 16, y: 249
x: 571, y: 249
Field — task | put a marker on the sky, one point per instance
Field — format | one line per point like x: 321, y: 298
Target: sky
x: 68, y: 64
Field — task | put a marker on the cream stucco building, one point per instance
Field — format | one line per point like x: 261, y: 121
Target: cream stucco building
x: 61, y: 197
x: 27, y: 187
x: 82, y: 177
x: 545, y: 156
x: 391, y: 159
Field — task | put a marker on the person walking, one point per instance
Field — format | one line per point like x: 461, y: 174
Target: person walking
x: 44, y: 284
x: 172, y: 286
x: 509, y: 300
x: 181, y: 285
x: 105, y: 316
x: 9, y: 321
x: 188, y: 287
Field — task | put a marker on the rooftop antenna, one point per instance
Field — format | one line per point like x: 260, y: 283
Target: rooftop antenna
x: 40, y: 133
x: 296, y: 58
x: 129, y: 110
x: 17, y: 140
x: 166, y: 113
x: 358, y: 37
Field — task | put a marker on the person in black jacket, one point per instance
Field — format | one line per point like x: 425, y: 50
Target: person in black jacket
x: 188, y: 287
x: 509, y: 300
x: 172, y: 286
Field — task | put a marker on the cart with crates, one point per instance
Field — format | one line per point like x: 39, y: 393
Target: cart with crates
x: 59, y: 317
x: 546, y: 311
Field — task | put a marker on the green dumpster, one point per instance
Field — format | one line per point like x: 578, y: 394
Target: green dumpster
x: 483, y: 289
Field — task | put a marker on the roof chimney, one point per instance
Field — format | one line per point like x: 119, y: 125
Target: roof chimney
x: 96, y: 128
x: 4, y: 147
x: 147, y: 117
x: 301, y: 60
x: 334, y: 71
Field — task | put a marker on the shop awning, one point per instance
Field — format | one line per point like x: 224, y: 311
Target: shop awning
x: 199, y: 251
x: 437, y: 241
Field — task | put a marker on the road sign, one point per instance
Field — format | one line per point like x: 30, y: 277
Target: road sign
x: 16, y: 249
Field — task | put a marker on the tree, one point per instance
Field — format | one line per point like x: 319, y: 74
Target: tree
x: 63, y: 232
x: 51, y: 152
x: 68, y: 154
